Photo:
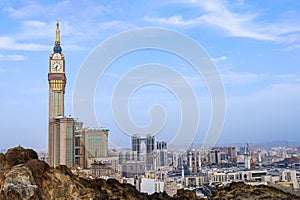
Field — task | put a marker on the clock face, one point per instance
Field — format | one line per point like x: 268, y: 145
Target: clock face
x: 56, y: 66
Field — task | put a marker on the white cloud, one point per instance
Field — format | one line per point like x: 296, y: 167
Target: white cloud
x: 35, y: 30
x: 112, y: 75
x: 237, y: 78
x: 115, y: 24
x: 78, y: 20
x: 74, y: 47
x: 219, y: 59
x: 10, y: 43
x: 244, y: 24
x: 292, y: 47
x: 85, y: 9
x: 29, y: 10
x: 288, y: 78
x: 35, y: 23
x: 174, y: 20
x: 13, y: 57
x: 35, y: 90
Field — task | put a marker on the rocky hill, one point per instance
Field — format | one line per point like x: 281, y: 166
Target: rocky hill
x: 24, y: 177
x: 239, y: 190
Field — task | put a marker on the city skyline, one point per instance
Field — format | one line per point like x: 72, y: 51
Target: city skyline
x: 254, y: 45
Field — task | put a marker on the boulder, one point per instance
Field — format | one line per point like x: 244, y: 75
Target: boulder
x: 18, y: 183
x: 38, y: 169
x: 19, y: 155
x: 185, y: 194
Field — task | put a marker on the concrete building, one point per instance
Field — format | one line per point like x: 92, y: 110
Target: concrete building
x: 194, y: 161
x: 99, y: 169
x: 79, y: 146
x: 226, y: 177
x: 222, y: 156
x: 132, y: 169
x: 288, y: 175
x: 161, y: 154
x: 104, y: 166
x: 150, y: 186
x: 149, y: 140
x: 127, y: 156
x: 62, y: 141
x: 177, y: 160
x: 43, y: 157
x: 195, y: 181
x: 95, y: 142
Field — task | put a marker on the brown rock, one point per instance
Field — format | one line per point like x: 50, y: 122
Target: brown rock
x: 2, y: 160
x: 239, y: 190
x: 65, y: 170
x: 18, y: 180
x: 32, y: 154
x: 19, y: 155
x: 186, y: 194
x: 38, y: 169
x: 160, y: 196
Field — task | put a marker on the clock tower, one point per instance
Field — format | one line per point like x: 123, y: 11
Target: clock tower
x: 57, y: 79
x: 66, y: 135
x: 61, y: 128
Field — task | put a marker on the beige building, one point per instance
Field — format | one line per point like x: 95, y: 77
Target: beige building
x: 106, y: 166
x: 132, y: 169
x: 95, y: 140
x: 61, y: 141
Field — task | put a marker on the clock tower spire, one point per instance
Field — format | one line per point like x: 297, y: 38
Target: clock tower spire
x: 57, y: 39
x: 57, y: 48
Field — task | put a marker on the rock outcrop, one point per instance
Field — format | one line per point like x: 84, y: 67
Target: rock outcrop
x: 239, y: 190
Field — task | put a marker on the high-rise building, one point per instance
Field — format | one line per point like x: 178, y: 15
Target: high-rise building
x: 79, y: 146
x: 136, y: 144
x: 132, y: 169
x: 62, y: 141
x: 95, y: 143
x: 194, y: 160
x: 161, y: 154
x: 222, y: 155
x: 149, y: 140
x: 61, y: 129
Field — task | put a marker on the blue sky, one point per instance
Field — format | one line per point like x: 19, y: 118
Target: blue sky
x: 254, y: 44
